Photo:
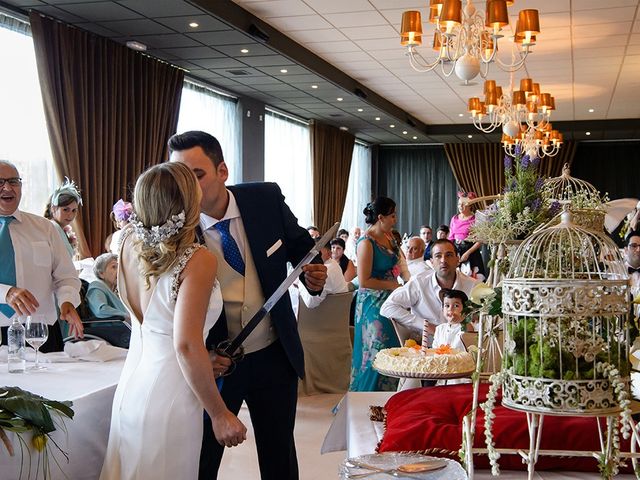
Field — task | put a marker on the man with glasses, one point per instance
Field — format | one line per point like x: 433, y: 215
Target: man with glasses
x: 632, y: 260
x: 419, y: 299
x: 35, y: 268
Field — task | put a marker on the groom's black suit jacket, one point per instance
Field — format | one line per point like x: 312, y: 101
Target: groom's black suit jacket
x: 267, y: 219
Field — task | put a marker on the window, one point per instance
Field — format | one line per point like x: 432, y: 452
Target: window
x: 202, y: 108
x: 24, y: 140
x: 359, y: 191
x: 287, y: 162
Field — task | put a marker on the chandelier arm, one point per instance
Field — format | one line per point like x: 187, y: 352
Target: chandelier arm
x: 444, y: 72
x: 415, y: 59
x: 512, y: 67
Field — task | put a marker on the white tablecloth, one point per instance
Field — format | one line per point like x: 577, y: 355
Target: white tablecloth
x: 90, y: 386
x: 352, y: 431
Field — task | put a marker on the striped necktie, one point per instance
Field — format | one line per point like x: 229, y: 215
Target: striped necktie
x: 7, y: 263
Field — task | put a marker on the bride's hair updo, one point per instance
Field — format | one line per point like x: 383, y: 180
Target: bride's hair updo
x: 162, y: 194
x: 380, y: 206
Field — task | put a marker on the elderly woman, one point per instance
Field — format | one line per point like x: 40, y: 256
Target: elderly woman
x: 101, y: 295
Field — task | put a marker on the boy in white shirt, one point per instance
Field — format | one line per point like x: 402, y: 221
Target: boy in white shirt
x: 450, y: 333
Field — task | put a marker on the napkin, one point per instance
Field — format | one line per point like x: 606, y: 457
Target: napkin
x: 94, y: 351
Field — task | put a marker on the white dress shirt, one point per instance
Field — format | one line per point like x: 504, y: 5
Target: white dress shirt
x: 449, y: 334
x: 43, y: 266
x: 419, y: 300
x: 236, y: 228
x: 335, y: 284
x: 418, y: 266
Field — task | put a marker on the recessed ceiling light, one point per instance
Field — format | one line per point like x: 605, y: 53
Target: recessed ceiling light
x: 194, y: 25
x: 339, y: 99
x: 244, y: 50
x: 360, y: 110
x: 415, y: 138
x: 133, y: 45
x: 587, y: 133
x: 344, y: 129
x: 314, y: 86
x: 404, y: 132
x: 283, y: 70
x: 469, y: 136
x: 392, y: 126
x: 591, y: 110
x: 377, y: 118
x: 461, y: 114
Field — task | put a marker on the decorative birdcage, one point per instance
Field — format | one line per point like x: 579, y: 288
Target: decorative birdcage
x: 565, y: 306
x: 587, y: 205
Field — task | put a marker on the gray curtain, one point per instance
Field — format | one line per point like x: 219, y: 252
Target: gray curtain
x: 421, y: 182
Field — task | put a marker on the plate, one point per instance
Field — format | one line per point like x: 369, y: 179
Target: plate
x: 425, y: 376
x: 442, y: 468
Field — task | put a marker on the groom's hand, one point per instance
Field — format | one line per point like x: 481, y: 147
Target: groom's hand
x: 219, y: 363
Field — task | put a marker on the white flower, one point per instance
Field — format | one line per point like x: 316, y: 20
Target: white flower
x: 481, y: 292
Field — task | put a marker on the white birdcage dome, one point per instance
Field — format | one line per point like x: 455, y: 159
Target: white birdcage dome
x: 565, y: 305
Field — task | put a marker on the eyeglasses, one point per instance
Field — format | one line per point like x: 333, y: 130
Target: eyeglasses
x: 13, y: 181
x: 634, y: 246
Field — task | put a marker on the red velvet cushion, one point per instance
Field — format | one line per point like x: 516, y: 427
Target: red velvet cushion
x: 429, y: 420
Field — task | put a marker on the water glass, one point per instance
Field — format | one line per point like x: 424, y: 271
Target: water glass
x: 36, y: 333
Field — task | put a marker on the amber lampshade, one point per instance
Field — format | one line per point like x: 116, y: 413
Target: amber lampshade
x: 489, y: 86
x: 545, y: 100
x: 526, y: 85
x: 498, y: 91
x: 532, y: 107
x: 536, y: 89
x: 553, y: 104
x: 528, y: 22
x: 411, y: 31
x: 451, y: 14
x: 474, y: 105
x: 519, y: 98
x: 490, y: 99
x: 506, y: 139
x: 510, y: 2
x: 496, y: 14
x: 437, y: 44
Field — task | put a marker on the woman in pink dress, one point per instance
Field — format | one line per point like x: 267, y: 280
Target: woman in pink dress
x: 459, y: 231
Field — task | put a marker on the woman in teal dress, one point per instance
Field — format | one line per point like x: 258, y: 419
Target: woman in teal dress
x: 377, y: 254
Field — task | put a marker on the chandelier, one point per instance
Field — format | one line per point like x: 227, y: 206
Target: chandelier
x: 523, y: 115
x: 466, y: 41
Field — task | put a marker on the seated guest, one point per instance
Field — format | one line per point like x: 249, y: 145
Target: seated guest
x: 442, y: 232
x: 415, y: 255
x: 426, y: 234
x: 350, y: 244
x: 346, y: 265
x: 314, y: 232
x: 419, y: 299
x: 101, y: 297
x: 335, y: 283
x: 343, y: 234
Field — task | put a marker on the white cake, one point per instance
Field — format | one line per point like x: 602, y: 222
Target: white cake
x: 414, y: 361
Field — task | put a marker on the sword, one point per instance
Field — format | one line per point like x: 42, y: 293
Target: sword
x: 228, y: 348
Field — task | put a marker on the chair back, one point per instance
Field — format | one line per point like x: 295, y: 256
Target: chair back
x: 324, y: 332
x: 403, y: 333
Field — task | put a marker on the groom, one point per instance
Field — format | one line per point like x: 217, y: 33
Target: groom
x: 253, y: 234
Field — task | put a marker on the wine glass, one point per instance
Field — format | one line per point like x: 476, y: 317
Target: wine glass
x: 36, y: 332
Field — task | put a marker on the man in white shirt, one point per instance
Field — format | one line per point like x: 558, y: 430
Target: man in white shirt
x: 415, y: 253
x: 632, y: 260
x: 419, y: 299
x: 335, y: 281
x: 35, y: 267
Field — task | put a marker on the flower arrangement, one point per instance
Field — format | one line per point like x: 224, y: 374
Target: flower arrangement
x: 522, y: 206
x: 21, y: 412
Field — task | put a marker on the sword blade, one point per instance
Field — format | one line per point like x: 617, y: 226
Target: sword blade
x: 280, y: 291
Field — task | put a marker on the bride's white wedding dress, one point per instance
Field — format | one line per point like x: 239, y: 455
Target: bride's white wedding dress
x: 156, y: 422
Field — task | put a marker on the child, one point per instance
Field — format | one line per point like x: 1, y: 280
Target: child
x: 450, y: 333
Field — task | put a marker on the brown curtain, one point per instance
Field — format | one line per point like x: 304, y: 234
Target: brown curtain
x: 109, y: 113
x: 479, y: 167
x: 331, y: 151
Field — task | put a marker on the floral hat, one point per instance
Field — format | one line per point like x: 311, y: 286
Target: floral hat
x: 122, y: 210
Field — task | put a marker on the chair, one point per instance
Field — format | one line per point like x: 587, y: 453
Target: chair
x: 115, y: 331
x: 324, y: 332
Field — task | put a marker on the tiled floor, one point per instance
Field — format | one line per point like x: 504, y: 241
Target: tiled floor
x: 312, y: 422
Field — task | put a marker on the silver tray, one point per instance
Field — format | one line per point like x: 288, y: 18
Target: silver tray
x: 390, y: 460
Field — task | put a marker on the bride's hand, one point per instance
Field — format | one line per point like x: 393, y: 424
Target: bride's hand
x: 228, y: 429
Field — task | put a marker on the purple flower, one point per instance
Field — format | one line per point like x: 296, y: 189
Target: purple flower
x: 518, y: 149
x: 535, y: 161
x: 525, y: 161
x: 508, y: 162
x: 539, y: 183
x: 535, y: 205
x: 555, y: 207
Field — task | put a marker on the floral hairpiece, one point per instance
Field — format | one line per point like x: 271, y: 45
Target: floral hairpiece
x: 467, y: 195
x: 122, y: 210
x: 157, y: 234
x: 67, y: 188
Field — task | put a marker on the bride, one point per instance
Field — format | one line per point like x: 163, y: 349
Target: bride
x: 167, y: 283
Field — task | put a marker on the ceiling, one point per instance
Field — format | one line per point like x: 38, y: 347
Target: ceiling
x: 587, y: 57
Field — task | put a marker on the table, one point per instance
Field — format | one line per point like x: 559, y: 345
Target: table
x: 90, y: 386
x: 352, y: 431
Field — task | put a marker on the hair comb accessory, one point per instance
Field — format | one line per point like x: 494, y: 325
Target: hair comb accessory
x: 69, y: 188
x: 467, y: 195
x: 157, y: 234
x: 122, y: 210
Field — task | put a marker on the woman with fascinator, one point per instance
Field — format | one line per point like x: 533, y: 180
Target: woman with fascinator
x: 378, y: 254
x: 62, y: 209
x: 120, y: 214
x: 459, y: 231
x: 167, y: 283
